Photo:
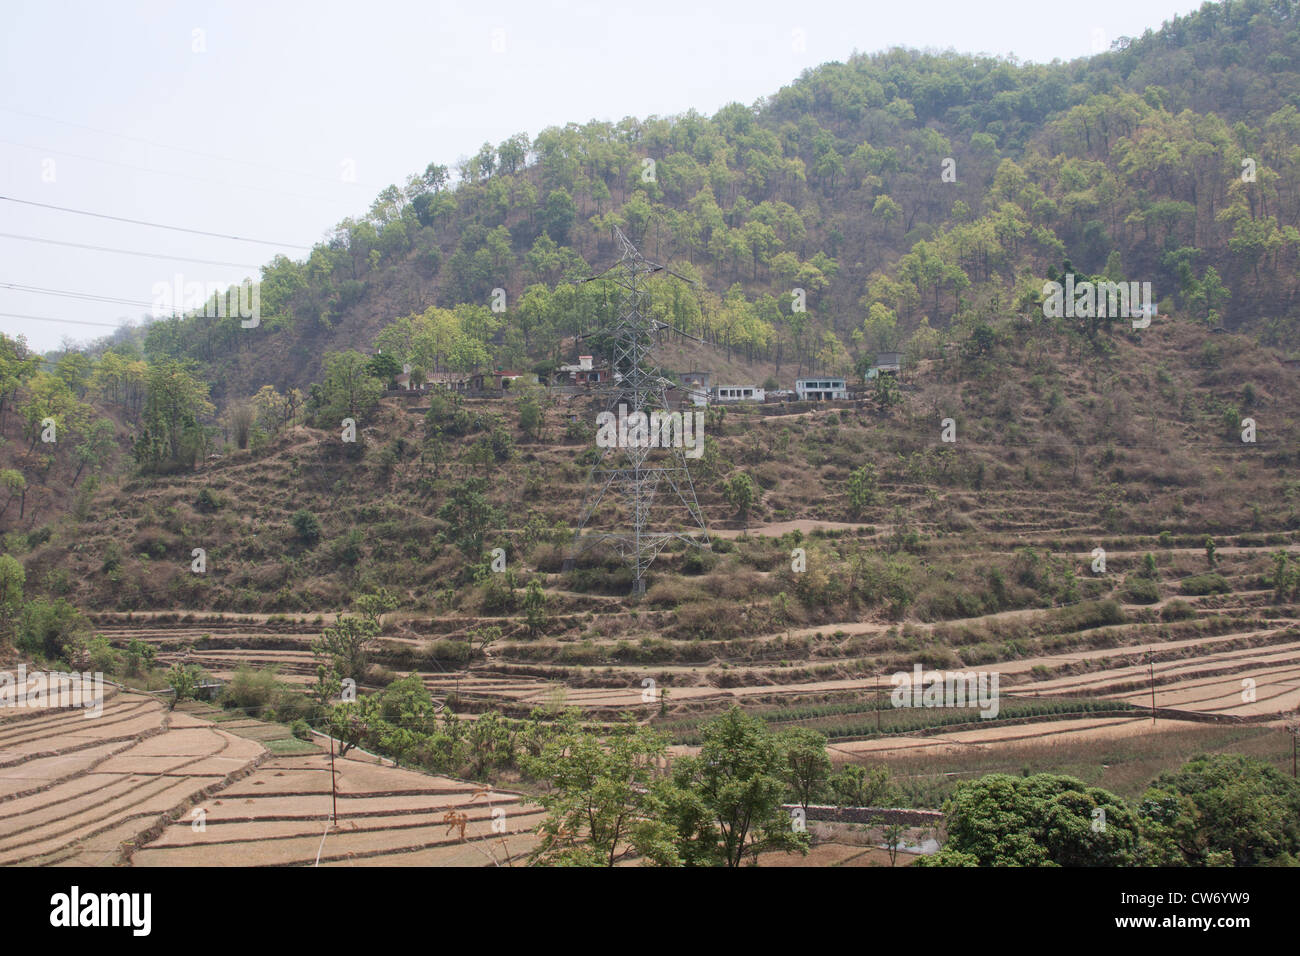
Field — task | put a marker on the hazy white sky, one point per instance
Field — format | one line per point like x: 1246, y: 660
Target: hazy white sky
x: 242, y: 118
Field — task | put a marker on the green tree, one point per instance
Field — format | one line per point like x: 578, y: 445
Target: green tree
x: 1041, y: 820
x: 535, y: 607
x: 598, y: 805
x: 862, y: 489
x: 344, y: 648
x: 856, y: 786
x: 350, y: 388
x: 12, y: 579
x: 806, y: 767
x: 306, y: 526
x: 725, y: 803
x: 184, y: 680
x: 741, y: 493
x: 470, y: 516
x: 1224, y: 809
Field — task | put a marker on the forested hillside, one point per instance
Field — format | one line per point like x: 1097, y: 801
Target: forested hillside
x: 898, y: 190
x: 911, y: 200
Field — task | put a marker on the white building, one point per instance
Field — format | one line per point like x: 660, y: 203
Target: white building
x: 738, y: 393
x: 820, y: 389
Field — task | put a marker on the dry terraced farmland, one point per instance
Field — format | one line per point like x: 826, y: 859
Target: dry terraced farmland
x: 145, y: 786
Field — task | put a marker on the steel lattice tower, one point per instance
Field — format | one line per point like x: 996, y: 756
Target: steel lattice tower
x: 628, y: 473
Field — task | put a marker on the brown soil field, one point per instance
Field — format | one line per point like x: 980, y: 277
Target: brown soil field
x: 147, y: 786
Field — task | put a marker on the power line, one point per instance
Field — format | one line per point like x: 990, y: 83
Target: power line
x: 161, y: 172
x: 43, y: 318
x: 155, y: 225
x: 88, y: 296
x: 179, y: 149
x: 130, y: 252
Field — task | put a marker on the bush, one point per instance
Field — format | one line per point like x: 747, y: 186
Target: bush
x: 251, y: 689
x: 347, y: 548
x: 50, y: 628
x: 1177, y: 611
x: 1199, y: 584
x: 101, y: 656
x: 1140, y: 590
x: 209, y: 502
x: 307, y: 526
x: 447, y: 652
x: 301, y: 729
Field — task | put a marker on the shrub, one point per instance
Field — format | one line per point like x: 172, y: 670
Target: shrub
x: 301, y: 729
x: 209, y: 502
x: 1177, y: 611
x: 347, y: 547
x: 1199, y: 584
x: 1140, y: 590
x: 251, y: 689
x: 102, y: 658
x: 49, y: 628
x: 307, y: 526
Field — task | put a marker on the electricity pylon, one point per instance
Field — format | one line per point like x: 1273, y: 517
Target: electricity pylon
x: 628, y: 474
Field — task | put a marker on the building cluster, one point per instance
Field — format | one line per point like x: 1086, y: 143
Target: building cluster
x: 696, y: 387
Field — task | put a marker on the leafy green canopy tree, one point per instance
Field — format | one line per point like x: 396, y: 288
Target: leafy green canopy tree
x: 176, y: 400
x: 1222, y: 809
x: 806, y: 767
x: 12, y: 579
x: 598, y: 805
x: 350, y: 388
x: 725, y: 803
x: 1043, y: 820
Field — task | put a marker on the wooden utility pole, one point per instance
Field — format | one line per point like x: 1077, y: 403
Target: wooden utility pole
x: 334, y: 793
x: 878, y: 703
x: 1151, y: 662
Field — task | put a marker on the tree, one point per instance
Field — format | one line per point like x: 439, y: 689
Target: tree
x: 376, y: 604
x: 862, y: 489
x: 384, y: 367
x: 725, y: 803
x: 240, y: 420
x: 1224, y: 809
x: 806, y: 766
x: 535, y: 607
x: 558, y: 215
x: 856, y: 786
x: 741, y: 493
x: 349, y: 390
x: 344, y: 648
x: 184, y: 680
x: 307, y: 526
x: 470, y: 516
x: 15, y: 484
x: 1042, y: 820
x: 96, y: 444
x: 176, y: 400
x: 887, y: 393
x: 894, y: 840
x: 530, y: 416
x: 12, y: 579
x: 598, y: 807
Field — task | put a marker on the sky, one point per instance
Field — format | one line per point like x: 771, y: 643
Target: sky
x: 274, y: 120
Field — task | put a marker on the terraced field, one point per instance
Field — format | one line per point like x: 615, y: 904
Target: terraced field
x: 1227, y: 657
x: 147, y: 786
